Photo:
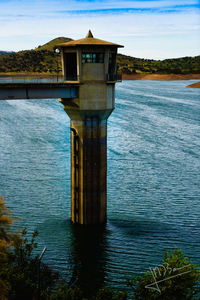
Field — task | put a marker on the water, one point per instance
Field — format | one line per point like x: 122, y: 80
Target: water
x: 153, y: 181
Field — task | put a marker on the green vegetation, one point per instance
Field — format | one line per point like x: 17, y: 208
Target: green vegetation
x: 18, y: 266
x: 53, y: 43
x: 43, y: 60
x: 132, y: 65
x: 177, y: 277
x: 40, y: 60
x: 28, y: 62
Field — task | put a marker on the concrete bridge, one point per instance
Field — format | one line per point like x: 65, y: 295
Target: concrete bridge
x: 37, y: 90
x: 88, y: 96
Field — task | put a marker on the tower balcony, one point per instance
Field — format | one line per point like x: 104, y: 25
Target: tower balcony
x: 73, y: 78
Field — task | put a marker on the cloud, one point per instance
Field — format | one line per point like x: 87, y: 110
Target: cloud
x: 44, y: 7
x: 127, y: 10
x: 144, y: 27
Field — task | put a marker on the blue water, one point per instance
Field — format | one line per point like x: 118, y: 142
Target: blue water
x: 153, y: 181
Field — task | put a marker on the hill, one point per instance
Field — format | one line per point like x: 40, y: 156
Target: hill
x: 43, y: 60
x: 40, y: 60
x: 50, y: 45
x: 183, y: 65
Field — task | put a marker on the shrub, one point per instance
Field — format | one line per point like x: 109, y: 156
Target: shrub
x: 19, y: 268
x: 176, y: 278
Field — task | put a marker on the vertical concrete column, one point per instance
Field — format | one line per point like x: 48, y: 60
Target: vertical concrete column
x: 88, y: 163
x: 89, y: 170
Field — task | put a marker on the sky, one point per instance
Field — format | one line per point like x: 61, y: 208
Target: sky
x: 156, y: 29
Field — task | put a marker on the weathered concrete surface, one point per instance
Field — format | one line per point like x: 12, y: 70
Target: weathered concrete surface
x: 88, y: 164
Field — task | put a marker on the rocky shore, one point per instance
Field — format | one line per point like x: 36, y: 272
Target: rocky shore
x: 194, y: 85
x: 160, y: 76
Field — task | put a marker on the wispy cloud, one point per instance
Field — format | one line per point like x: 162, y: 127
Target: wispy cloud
x: 129, y: 10
x: 155, y: 29
x: 90, y: 6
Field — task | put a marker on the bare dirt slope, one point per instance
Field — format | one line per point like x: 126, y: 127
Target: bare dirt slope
x: 160, y: 76
x: 194, y: 85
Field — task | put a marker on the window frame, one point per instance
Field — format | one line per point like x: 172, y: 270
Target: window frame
x: 92, y: 57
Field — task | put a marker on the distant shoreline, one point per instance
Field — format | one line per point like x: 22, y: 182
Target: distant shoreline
x: 194, y: 85
x: 160, y: 76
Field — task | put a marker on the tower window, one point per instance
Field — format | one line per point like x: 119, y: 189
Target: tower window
x: 92, y: 58
x: 112, y: 62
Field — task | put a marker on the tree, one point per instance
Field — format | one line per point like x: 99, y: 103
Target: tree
x: 6, y: 242
x: 176, y: 278
x: 19, y: 268
x: 108, y: 294
x: 66, y: 293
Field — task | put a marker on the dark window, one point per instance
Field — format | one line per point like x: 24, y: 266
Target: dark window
x: 71, y: 66
x: 112, y: 63
x: 92, y: 58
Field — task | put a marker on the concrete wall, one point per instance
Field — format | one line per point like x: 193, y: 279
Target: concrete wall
x: 93, y: 71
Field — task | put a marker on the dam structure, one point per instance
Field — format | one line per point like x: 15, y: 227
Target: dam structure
x: 87, y: 93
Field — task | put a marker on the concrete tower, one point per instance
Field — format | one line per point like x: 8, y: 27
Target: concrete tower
x: 90, y: 62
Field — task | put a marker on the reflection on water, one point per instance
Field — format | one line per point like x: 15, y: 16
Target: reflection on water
x: 80, y: 251
x: 89, y: 257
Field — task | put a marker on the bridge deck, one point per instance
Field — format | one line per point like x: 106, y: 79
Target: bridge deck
x: 37, y: 90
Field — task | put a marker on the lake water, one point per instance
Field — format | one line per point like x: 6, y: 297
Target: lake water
x: 153, y: 181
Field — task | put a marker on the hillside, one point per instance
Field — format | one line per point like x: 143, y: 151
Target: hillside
x: 50, y: 45
x: 133, y: 65
x: 40, y: 60
x: 43, y: 60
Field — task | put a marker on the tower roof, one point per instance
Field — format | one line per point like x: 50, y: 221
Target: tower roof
x: 87, y: 41
x: 89, y: 35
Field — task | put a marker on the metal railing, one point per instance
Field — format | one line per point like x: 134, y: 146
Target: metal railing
x: 72, y: 78
x: 31, y: 78
x: 114, y: 77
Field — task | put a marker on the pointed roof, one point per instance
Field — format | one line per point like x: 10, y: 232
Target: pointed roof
x: 89, y: 35
x: 88, y: 40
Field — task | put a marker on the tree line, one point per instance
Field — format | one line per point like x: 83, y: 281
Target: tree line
x: 184, y: 65
x: 32, y: 61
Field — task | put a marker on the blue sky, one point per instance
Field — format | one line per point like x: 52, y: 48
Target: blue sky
x: 156, y: 29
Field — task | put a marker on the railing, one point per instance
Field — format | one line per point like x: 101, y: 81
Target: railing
x: 72, y: 78
x: 114, y: 77
x: 31, y: 78
x: 52, y: 78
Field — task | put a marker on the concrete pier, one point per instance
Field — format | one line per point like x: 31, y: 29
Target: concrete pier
x: 88, y: 165
x: 89, y: 169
